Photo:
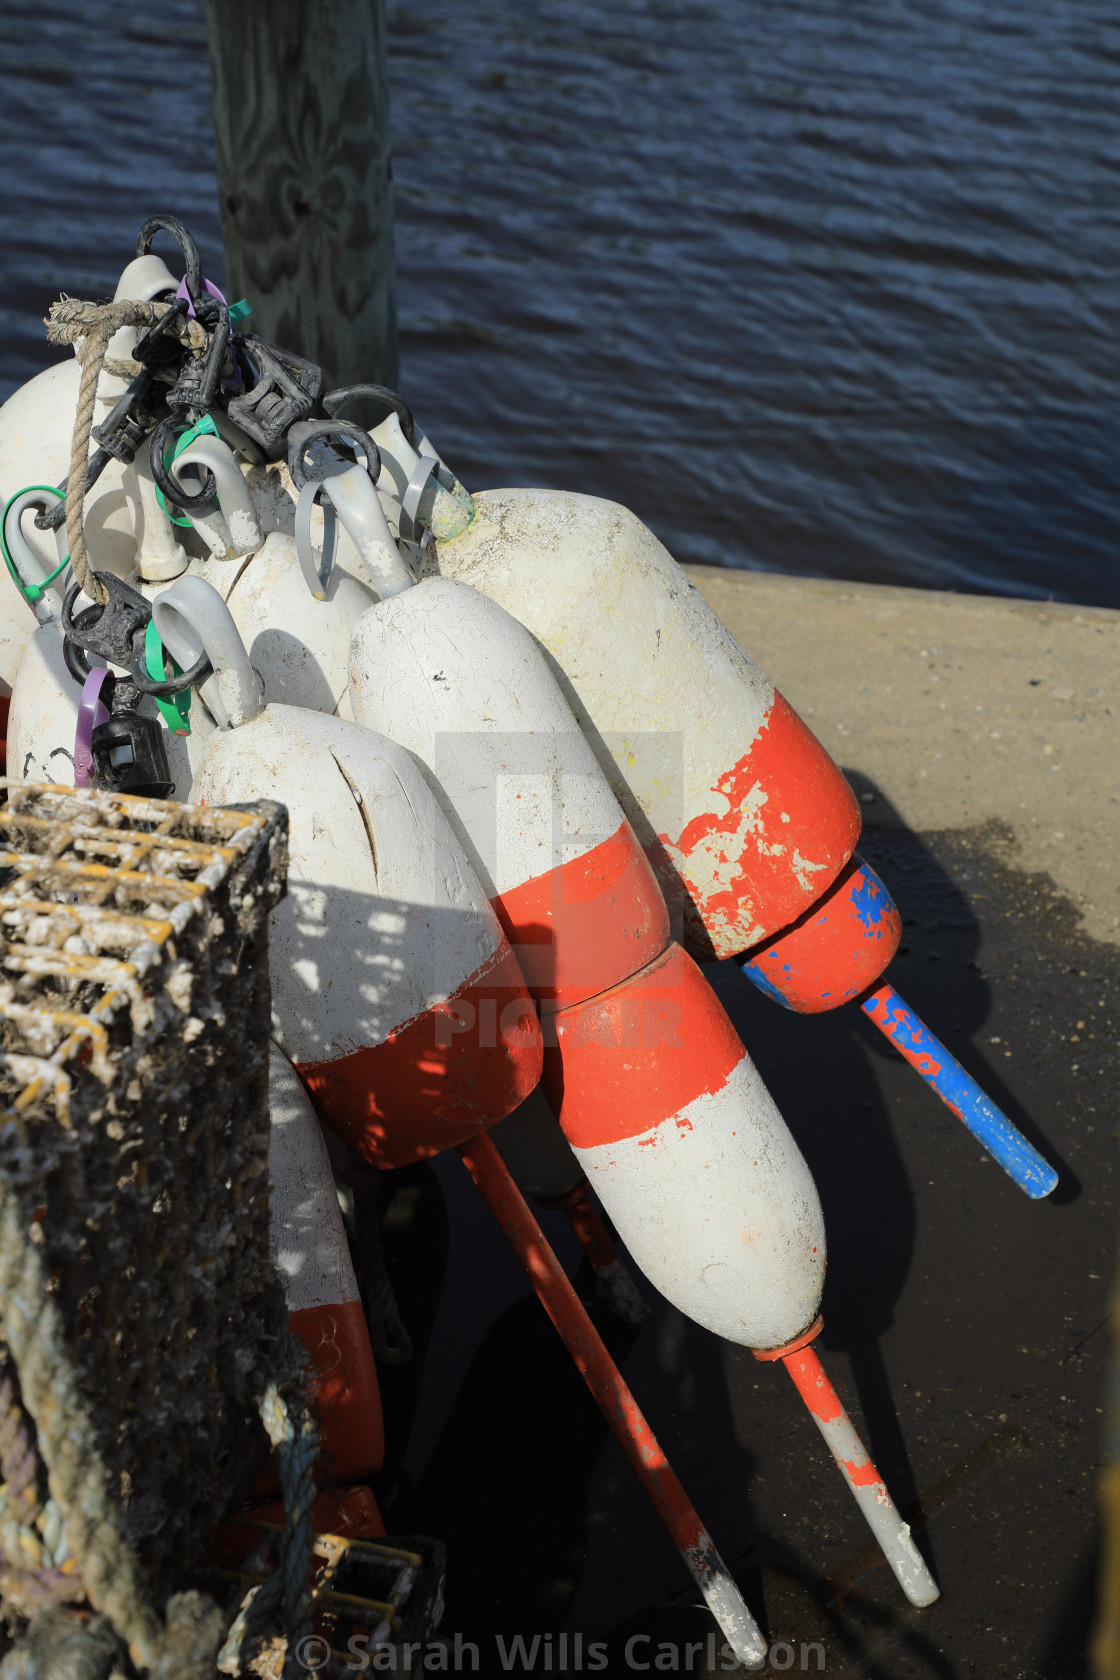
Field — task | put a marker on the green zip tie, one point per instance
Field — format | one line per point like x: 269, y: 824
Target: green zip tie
x: 200, y: 427
x: 239, y: 310
x: 31, y: 592
x: 175, y: 710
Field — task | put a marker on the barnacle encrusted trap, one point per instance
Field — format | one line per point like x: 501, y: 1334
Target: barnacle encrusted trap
x: 137, y: 1303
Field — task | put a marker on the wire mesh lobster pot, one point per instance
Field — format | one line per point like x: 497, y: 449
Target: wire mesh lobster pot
x: 139, y: 1311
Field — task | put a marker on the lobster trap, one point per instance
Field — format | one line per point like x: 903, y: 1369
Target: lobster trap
x: 138, y: 1307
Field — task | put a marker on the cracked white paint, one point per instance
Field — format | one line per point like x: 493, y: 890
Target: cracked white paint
x: 464, y: 686
x: 368, y: 938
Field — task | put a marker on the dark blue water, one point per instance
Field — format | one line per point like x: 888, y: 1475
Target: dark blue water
x: 825, y: 286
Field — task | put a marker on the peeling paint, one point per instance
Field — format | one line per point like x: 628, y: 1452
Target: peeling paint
x: 960, y: 1092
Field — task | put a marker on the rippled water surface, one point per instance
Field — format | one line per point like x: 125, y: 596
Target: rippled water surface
x: 827, y: 286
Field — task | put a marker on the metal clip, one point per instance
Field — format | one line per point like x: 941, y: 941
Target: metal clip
x: 116, y: 633
x: 305, y: 433
x: 127, y: 424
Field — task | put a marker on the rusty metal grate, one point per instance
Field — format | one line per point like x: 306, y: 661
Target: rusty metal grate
x: 134, y: 1021
x: 96, y: 891
x: 367, y: 1596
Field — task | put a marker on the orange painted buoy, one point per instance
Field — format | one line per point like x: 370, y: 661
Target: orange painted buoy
x: 687, y: 1152
x: 308, y: 1247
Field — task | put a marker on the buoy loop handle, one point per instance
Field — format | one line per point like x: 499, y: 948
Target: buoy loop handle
x: 316, y: 573
x: 304, y: 433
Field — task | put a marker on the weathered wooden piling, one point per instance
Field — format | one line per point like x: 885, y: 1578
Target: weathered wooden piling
x: 301, y: 115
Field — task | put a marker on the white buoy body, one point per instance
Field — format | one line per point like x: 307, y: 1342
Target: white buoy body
x: 683, y: 1145
x: 732, y: 794
x: 451, y: 676
x: 394, y: 990
x: 307, y: 1245
x: 43, y: 719
x: 297, y: 645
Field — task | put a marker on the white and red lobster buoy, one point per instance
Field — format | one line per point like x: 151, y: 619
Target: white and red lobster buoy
x: 652, y: 1086
x: 687, y: 1152
x: 733, y: 795
x: 634, y: 1035
x: 458, y: 682
x: 308, y: 1247
x: 395, y: 993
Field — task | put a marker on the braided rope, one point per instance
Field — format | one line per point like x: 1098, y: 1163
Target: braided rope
x: 99, y: 1553
x: 29, y: 1580
x: 297, y: 1482
x: 19, y: 1498
x: 291, y: 1429
x: 94, y: 324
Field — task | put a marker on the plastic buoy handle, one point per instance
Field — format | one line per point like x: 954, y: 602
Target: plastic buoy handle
x: 615, y: 1400
x: 958, y: 1090
x: 91, y: 712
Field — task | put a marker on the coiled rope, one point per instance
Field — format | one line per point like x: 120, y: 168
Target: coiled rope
x: 99, y: 1552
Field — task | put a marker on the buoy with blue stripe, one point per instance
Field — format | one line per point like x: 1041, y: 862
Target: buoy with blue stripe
x: 838, y: 952
x: 395, y: 993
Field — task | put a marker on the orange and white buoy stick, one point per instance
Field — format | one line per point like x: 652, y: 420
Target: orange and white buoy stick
x: 618, y: 1286
x: 615, y: 1400
x: 812, y: 1383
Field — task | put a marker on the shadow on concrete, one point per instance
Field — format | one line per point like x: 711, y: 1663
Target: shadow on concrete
x: 944, y: 982
x: 963, y: 1326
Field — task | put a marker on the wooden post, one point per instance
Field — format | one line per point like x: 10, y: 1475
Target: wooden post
x: 301, y: 115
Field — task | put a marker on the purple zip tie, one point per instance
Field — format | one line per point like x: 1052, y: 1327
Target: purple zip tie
x: 91, y: 712
x: 211, y: 291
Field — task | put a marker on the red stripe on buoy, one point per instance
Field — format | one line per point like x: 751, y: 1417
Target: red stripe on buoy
x: 783, y: 825
x: 589, y: 923
x: 439, y: 1079
x: 347, y: 1395
x: 624, y: 1062
x: 838, y: 948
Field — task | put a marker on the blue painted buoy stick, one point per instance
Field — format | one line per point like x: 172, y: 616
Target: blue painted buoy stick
x: 960, y: 1092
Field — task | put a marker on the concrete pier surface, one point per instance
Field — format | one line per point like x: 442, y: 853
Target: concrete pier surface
x: 966, y: 1327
